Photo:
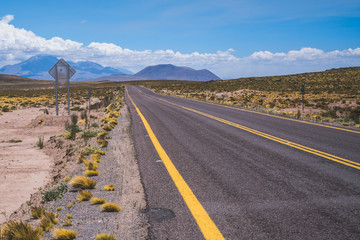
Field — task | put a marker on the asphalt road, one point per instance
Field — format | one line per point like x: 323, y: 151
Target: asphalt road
x: 251, y: 187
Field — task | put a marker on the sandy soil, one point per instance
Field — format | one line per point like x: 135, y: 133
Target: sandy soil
x: 24, y: 167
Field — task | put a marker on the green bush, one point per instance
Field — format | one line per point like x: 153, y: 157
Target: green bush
x: 54, y: 193
x: 87, y: 134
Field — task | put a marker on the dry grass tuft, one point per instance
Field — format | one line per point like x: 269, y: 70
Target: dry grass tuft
x: 58, y: 208
x: 105, y: 236
x: 48, y: 220
x: 84, y: 196
x: 83, y: 182
x: 67, y: 223
x: 95, y: 157
x: 70, y: 205
x: 91, y: 165
x: 52, y: 216
x: 81, y: 159
x: 64, y: 234
x: 106, y: 128
x: 37, y: 212
x: 110, y: 207
x: 98, y: 201
x: 101, y: 152
x: 20, y: 231
x: 69, y: 216
x: 109, y: 187
x: 91, y: 173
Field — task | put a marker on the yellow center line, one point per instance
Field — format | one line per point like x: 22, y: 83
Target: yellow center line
x: 270, y: 115
x: 328, y: 156
x: 206, y: 225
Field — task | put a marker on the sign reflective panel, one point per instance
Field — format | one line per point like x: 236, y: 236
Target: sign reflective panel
x: 62, y: 72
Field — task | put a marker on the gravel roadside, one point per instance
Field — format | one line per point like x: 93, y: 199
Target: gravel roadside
x: 119, y: 167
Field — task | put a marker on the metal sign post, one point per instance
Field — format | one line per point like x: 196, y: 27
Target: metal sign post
x: 62, y: 72
x: 89, y: 92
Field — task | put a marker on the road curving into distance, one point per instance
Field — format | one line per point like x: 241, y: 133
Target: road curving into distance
x: 214, y: 172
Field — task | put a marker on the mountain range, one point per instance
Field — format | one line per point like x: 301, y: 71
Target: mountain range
x: 37, y: 67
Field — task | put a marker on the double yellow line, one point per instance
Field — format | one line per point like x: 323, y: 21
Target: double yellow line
x: 273, y: 138
x: 206, y: 225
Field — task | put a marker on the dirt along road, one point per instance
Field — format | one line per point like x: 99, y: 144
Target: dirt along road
x: 24, y: 167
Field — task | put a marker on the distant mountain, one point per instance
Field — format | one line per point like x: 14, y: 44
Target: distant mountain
x: 171, y: 72
x: 37, y: 67
x: 119, y: 78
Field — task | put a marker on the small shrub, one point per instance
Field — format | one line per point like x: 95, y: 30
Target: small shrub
x: 6, y: 108
x: 95, y: 125
x: 69, y: 216
x: 64, y: 234
x: 84, y: 196
x: 346, y: 124
x: 105, y: 236
x: 104, y: 144
x: 54, y: 193
x: 103, y: 152
x: 20, y: 231
x: 41, y: 120
x: 95, y: 157
x: 91, y: 173
x: 109, y: 187
x: 67, y: 135
x: 74, y: 119
x: 106, y: 128
x: 96, y: 201
x: 110, y: 207
x: 103, y: 135
x: 86, y: 151
x: 52, y: 216
x: 58, y: 208
x: 81, y: 159
x: 67, y: 223
x: 67, y: 178
x: 87, y: 134
x: 83, y: 182
x: 70, y: 205
x: 73, y: 127
x: 46, y: 224
x: 37, y: 212
x: 76, y: 109
x: 40, y: 142
x: 357, y: 125
x: 91, y: 165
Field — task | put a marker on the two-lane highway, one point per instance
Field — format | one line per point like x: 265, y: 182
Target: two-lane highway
x: 213, y: 171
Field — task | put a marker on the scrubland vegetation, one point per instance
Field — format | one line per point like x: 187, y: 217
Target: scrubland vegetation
x: 330, y: 96
x: 83, y: 127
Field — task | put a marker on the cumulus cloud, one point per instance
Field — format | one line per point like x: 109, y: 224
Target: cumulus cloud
x: 17, y: 44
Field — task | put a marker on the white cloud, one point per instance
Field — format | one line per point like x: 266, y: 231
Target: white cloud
x: 19, y: 44
x: 7, y: 18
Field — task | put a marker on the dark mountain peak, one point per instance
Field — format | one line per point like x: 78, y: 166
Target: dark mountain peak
x: 172, y: 72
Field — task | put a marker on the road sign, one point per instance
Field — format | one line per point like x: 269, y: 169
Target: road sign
x: 62, y: 72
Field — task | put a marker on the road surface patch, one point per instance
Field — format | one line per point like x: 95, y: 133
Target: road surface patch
x: 205, y: 223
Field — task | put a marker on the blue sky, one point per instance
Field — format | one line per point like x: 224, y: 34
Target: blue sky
x: 221, y: 35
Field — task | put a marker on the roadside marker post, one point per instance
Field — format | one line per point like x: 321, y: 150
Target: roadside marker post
x: 62, y: 72
x: 303, y: 93
x: 89, y: 92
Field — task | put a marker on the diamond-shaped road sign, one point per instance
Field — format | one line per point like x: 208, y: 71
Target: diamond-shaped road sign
x: 62, y: 72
